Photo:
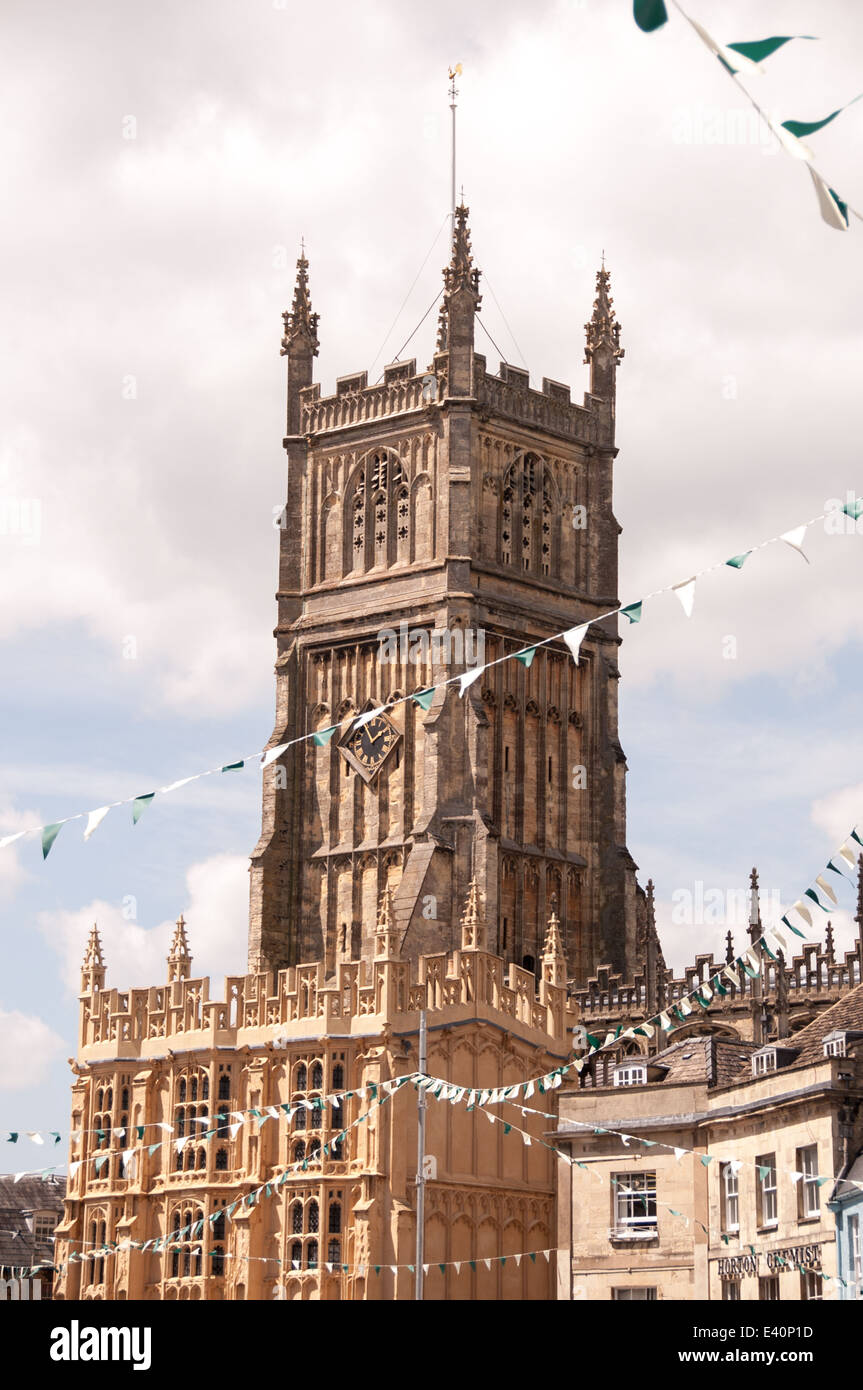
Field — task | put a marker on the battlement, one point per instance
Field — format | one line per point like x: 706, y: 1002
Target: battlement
x: 404, y: 391
x: 298, y: 1002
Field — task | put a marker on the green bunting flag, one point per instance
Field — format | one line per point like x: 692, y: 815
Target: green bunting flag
x: 854, y: 509
x: 13, y: 1137
x: 423, y: 698
x: 810, y: 893
x: 140, y: 805
x: 738, y: 561
x: 799, y: 128
x: 633, y: 612
x: 323, y: 736
x: 649, y: 14
x: 526, y: 657
x: 49, y: 835
x: 759, y: 49
x: 790, y: 928
x: 232, y: 767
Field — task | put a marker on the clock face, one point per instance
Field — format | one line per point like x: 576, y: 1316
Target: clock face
x: 369, y: 747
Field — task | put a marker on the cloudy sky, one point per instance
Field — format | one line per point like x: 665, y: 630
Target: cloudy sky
x: 161, y: 163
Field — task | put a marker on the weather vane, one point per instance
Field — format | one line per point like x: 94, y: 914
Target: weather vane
x: 453, y: 93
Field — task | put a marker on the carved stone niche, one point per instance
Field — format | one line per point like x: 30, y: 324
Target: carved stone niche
x: 491, y: 484
x: 575, y: 719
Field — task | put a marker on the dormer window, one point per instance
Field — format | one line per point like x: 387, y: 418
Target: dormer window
x: 763, y: 1062
x: 630, y: 1075
x: 836, y: 1044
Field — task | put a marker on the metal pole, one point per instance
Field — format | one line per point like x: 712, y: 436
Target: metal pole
x: 453, y: 91
x: 421, y: 1154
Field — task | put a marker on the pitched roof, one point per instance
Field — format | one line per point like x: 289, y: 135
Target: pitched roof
x: 704, y: 1058
x: 846, y: 1015
x: 17, y: 1246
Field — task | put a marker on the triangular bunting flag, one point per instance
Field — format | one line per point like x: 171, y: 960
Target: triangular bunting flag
x: 649, y: 14
x: 467, y: 679
x: 795, y: 539
x: 825, y: 887
x: 834, y: 211
x: 94, y: 820
x: 574, y: 639
x: 424, y: 698
x: 273, y: 753
x: 526, y: 657
x: 633, y: 611
x: 686, y: 593
x: 139, y: 806
x: 233, y: 767
x: 738, y: 561
x: 10, y: 839
x: 369, y: 715
x: 321, y: 737
x: 49, y: 835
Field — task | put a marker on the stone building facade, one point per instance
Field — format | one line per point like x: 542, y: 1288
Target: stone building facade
x: 716, y: 1162
x: 465, y: 504
x: 205, y: 1084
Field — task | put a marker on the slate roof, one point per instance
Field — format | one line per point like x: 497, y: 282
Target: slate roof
x: 706, y: 1058
x: 846, y: 1015
x: 17, y: 1248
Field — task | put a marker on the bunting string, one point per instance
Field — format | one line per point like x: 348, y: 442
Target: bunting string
x: 739, y: 58
x: 571, y: 637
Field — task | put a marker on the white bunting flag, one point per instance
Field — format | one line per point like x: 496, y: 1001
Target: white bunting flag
x: 129, y: 1163
x: 679, y: 1153
x: 848, y: 856
x: 10, y: 839
x: 274, y: 753
x: 753, y: 961
x: 825, y: 886
x: 19, y: 1176
x: 184, y: 781
x: 735, y: 1164
x: 369, y: 715
x: 119, y: 1133
x: 731, y: 974
x: 529, y: 1090
x: 795, y: 1178
x: 795, y: 539
x: 517, y: 1259
x: 791, y: 144
x: 74, y: 1166
x: 272, y: 1111
x: 487, y: 1264
x: 574, y: 639
x: 35, y: 1136
x: 832, y: 214
x: 665, y: 1023
x: 686, y: 593
x: 457, y: 1264
x: 647, y: 1029
x: 803, y: 911
x: 736, y: 62
x: 527, y: 1140
x: 94, y: 820
x: 467, y: 679
x: 685, y: 1007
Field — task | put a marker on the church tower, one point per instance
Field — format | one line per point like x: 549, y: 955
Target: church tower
x: 434, y: 522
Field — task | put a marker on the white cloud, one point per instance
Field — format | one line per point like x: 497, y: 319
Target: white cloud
x: 216, y: 913
x: 839, y: 812
x: 30, y: 1050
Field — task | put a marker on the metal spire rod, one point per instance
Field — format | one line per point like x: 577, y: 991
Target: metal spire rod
x: 453, y: 93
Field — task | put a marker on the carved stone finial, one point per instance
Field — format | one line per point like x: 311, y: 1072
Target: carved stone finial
x: 829, y: 949
x: 729, y: 949
x: 754, y: 906
x: 93, y: 957
x: 179, y: 956
x: 301, y: 325
x: 603, y: 330
x: 553, y: 959
x: 460, y: 275
x: 386, y: 936
x: 474, y: 936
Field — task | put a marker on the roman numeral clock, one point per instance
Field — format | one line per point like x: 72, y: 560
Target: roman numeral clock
x: 368, y: 748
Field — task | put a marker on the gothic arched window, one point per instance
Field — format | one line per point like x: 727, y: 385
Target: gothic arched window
x: 530, y: 517
x: 378, y: 512
x: 317, y: 1076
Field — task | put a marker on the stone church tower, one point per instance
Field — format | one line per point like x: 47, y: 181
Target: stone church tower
x: 470, y: 506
